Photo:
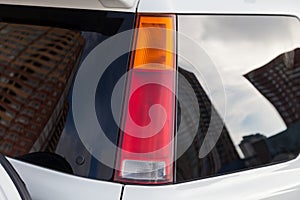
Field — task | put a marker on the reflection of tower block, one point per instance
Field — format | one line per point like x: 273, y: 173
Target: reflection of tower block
x: 279, y: 82
x: 37, y: 67
x: 53, y: 140
x: 256, y: 150
x: 222, y: 153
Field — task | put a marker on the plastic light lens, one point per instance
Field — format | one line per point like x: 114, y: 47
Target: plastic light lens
x: 146, y: 138
x: 155, y: 32
x: 144, y: 170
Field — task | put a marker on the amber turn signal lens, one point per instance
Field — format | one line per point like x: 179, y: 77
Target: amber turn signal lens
x: 154, y: 43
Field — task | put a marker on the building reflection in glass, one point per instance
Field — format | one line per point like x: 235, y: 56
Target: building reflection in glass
x: 261, y: 88
x: 223, y: 157
x: 278, y: 81
x: 37, y: 66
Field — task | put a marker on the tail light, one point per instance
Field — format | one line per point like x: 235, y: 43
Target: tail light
x: 146, y: 146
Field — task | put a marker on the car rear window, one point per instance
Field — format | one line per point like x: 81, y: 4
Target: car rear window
x: 238, y: 103
x: 238, y: 91
x: 41, y: 51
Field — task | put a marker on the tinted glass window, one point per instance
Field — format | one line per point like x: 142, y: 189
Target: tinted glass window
x: 41, y: 51
x: 239, y: 91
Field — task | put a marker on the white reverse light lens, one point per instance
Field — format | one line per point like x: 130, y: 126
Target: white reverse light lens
x: 144, y: 170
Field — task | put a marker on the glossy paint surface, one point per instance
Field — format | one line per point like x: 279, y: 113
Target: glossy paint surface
x: 7, y: 188
x: 115, y: 5
x: 289, y: 7
x: 47, y: 184
x: 280, y: 182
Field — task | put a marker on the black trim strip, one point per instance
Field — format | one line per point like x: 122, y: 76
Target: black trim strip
x: 122, y: 192
x: 104, y: 22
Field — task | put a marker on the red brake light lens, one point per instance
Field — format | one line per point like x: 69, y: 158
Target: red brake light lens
x: 148, y: 122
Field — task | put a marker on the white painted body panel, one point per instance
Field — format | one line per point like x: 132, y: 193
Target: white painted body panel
x: 277, y: 182
x: 109, y: 5
x: 44, y: 184
x: 7, y: 189
x: 288, y: 7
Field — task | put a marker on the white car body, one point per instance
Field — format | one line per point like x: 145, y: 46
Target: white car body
x: 277, y: 7
x: 278, y: 182
x: 275, y: 182
x: 7, y: 188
